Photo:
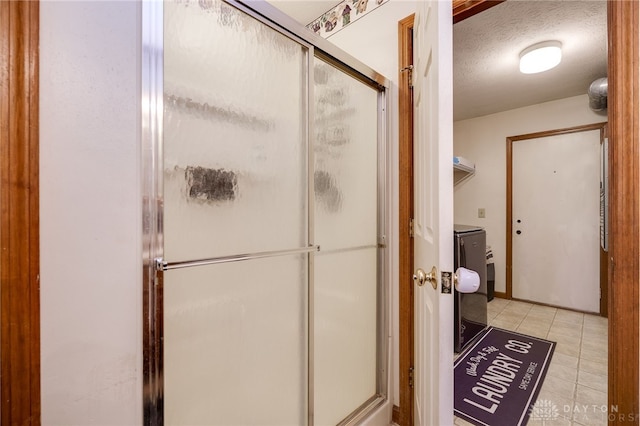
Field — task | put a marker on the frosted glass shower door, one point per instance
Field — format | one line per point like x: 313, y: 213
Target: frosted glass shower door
x: 346, y: 282
x: 235, y: 191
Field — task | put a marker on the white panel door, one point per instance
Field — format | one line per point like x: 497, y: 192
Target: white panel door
x: 556, y: 220
x: 433, y: 211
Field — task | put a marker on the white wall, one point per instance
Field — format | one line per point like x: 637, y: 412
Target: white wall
x: 373, y: 40
x: 90, y: 198
x: 483, y: 141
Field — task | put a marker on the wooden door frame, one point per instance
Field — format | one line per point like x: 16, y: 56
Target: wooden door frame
x: 509, y: 190
x: 403, y: 414
x: 19, y: 213
x: 624, y: 271
x: 624, y: 250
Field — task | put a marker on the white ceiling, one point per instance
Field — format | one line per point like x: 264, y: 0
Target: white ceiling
x: 487, y: 48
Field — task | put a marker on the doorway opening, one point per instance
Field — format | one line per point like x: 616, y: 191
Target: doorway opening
x: 624, y: 274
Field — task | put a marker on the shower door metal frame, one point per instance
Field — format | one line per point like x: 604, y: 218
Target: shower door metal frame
x: 153, y: 192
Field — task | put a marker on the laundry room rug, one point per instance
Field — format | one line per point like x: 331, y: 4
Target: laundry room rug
x: 498, y: 378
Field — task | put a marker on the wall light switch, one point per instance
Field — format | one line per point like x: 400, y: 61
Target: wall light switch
x: 481, y: 213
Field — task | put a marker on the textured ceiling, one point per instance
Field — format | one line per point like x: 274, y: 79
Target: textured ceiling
x: 487, y: 48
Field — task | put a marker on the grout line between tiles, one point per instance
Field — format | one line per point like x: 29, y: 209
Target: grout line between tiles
x: 582, y: 336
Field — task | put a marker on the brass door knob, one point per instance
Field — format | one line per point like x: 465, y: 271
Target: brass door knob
x: 421, y: 277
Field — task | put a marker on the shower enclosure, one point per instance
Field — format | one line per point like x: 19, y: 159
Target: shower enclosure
x: 264, y: 192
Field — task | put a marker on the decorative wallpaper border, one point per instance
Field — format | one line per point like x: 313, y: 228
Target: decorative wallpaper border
x: 342, y: 15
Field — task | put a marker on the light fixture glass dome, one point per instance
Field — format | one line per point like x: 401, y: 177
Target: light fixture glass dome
x: 540, y: 57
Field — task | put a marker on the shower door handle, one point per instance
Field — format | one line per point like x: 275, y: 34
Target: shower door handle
x: 162, y: 265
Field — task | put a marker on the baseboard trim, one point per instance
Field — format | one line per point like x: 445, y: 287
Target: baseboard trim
x: 555, y: 306
x: 504, y: 296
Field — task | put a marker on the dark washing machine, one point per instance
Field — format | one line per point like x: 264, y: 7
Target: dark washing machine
x: 470, y: 309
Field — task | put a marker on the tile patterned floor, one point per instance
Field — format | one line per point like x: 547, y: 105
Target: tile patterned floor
x: 575, y: 387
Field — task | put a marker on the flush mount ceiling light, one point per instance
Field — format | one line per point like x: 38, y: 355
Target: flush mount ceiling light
x: 540, y: 57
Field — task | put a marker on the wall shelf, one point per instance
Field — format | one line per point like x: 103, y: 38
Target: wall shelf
x: 463, y: 169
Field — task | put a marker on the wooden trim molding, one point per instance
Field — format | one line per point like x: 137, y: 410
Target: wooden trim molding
x: 546, y: 133
x: 463, y: 9
x: 509, y: 190
x: 395, y: 415
x: 19, y: 214
x: 533, y: 302
x: 604, y: 283
x: 604, y: 256
x: 624, y: 253
x: 405, y: 148
x: 508, y: 221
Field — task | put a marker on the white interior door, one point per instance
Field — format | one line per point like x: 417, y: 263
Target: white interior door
x: 556, y: 220
x: 433, y: 211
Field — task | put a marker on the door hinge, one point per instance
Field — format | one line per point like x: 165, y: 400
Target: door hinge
x: 411, y: 234
x: 410, y: 71
x: 411, y: 377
